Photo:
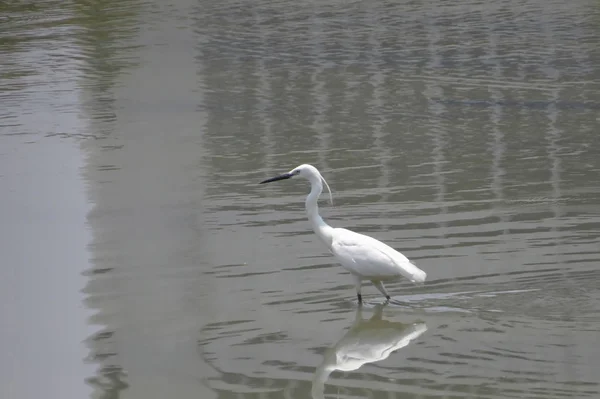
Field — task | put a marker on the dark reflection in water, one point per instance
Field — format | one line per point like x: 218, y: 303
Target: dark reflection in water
x: 464, y: 134
x: 107, y: 30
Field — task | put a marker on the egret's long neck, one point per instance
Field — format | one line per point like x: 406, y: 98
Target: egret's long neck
x: 322, y: 229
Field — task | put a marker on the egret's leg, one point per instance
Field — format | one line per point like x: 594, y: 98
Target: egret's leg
x: 358, y: 283
x: 381, y: 288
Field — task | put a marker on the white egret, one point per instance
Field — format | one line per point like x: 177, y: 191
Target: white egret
x: 364, y: 257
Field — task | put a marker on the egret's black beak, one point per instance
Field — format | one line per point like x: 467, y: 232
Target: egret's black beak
x: 280, y: 177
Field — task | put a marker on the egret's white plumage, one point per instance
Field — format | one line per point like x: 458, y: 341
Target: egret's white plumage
x: 371, y: 259
x: 364, y: 257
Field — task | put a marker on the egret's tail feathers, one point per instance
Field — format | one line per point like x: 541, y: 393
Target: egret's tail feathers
x: 417, y: 275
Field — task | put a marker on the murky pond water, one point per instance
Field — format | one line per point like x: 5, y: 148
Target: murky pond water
x: 142, y: 259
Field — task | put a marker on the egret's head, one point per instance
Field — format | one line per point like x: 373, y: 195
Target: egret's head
x: 306, y: 171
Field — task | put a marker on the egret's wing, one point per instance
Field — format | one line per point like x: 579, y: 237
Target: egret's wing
x: 359, y: 255
x: 370, y: 258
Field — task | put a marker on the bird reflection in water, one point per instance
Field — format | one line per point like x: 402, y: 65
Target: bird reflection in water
x: 367, y: 341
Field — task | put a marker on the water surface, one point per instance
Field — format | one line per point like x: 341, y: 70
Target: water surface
x: 133, y: 135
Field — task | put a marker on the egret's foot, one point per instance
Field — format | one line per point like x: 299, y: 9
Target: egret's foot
x: 359, y: 299
x: 398, y: 303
